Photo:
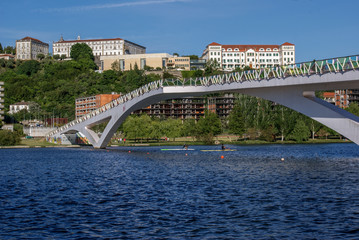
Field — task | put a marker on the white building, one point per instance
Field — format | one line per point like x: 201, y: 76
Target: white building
x: 230, y: 57
x: 28, y: 48
x: 100, y: 47
x: 17, y: 107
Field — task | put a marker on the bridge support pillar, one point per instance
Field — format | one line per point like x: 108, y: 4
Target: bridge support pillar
x: 306, y: 103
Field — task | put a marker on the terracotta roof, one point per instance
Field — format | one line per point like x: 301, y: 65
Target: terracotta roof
x: 21, y: 103
x: 6, y: 55
x: 247, y: 47
x: 34, y: 39
x: 328, y: 94
x: 214, y: 44
x: 89, y: 40
x: 287, y: 43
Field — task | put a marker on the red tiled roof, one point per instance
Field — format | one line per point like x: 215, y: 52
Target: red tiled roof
x: 287, y: 43
x: 328, y: 94
x: 89, y: 40
x: 214, y: 44
x: 247, y: 47
x: 6, y: 55
x: 34, y: 39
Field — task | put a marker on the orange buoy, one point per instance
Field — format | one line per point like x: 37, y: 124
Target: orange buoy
x: 222, y: 157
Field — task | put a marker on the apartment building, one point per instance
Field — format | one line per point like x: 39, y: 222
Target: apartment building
x: 28, y: 48
x: 191, y: 107
x: 86, y: 105
x: 1, y: 101
x: 230, y: 57
x: 179, y: 63
x: 100, y: 47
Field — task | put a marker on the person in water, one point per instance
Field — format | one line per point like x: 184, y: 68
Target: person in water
x: 223, y: 147
x: 185, y: 147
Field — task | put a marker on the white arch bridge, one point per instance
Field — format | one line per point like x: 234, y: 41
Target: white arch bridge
x: 292, y: 86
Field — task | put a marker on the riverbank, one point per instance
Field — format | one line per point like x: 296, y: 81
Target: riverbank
x: 42, y: 143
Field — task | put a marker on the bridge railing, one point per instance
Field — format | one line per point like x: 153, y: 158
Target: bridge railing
x: 339, y: 64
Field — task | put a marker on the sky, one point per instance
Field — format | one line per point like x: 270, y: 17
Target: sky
x: 319, y: 28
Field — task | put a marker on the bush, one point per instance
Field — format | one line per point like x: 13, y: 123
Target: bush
x: 8, y: 138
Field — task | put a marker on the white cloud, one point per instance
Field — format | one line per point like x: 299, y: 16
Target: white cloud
x: 114, y: 5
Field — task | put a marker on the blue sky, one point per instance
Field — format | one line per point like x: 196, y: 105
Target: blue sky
x: 319, y: 28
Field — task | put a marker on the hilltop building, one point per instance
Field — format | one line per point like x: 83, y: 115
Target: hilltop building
x: 126, y: 62
x: 1, y: 101
x: 17, y: 107
x: 230, y: 57
x: 7, y: 56
x: 28, y: 48
x: 100, y: 47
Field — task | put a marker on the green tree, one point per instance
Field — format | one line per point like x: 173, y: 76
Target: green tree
x: 40, y: 56
x: 208, y: 126
x: 300, y: 132
x: 353, y: 108
x: 56, y: 56
x: 172, y: 128
x: 28, y: 67
x: 8, y: 138
x: 236, y: 120
x: 1, y: 49
x: 81, y: 51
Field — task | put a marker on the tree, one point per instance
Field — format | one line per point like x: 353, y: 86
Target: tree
x: 300, y: 132
x: 212, y: 68
x: 208, y: 126
x: 81, y: 51
x: 172, y: 128
x: 56, y: 56
x: 28, y: 67
x: 1, y: 49
x: 8, y: 138
x: 40, y: 56
x: 236, y: 120
x: 353, y: 108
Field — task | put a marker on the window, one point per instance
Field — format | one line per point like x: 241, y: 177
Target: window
x: 268, y: 49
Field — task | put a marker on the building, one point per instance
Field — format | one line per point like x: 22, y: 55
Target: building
x: 329, y: 97
x: 127, y: 62
x: 230, y: 57
x: 100, y: 47
x: 191, y: 107
x: 17, y: 107
x: 179, y: 63
x: 86, y: 105
x: 28, y: 48
x: 342, y: 97
x: 7, y: 56
x: 1, y: 101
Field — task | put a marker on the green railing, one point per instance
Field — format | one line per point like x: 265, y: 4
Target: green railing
x: 315, y: 67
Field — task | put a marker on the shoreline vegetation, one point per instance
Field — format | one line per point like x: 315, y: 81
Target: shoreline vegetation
x: 41, y: 143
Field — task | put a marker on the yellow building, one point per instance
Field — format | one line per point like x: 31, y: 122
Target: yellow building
x: 179, y: 63
x: 128, y: 62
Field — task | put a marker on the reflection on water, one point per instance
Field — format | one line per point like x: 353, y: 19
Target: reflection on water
x: 134, y: 193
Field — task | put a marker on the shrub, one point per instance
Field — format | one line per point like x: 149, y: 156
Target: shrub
x: 8, y: 138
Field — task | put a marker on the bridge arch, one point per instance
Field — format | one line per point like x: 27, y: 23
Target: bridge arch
x: 291, y: 86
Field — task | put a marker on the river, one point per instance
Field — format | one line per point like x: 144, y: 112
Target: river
x: 146, y: 193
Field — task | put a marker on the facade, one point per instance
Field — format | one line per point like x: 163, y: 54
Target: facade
x: 329, y: 97
x: 17, y: 107
x: 127, y: 62
x: 342, y: 98
x: 179, y: 63
x: 28, y: 48
x: 86, y: 105
x: 1, y: 101
x: 100, y: 47
x: 230, y: 57
x: 190, y: 108
x: 7, y: 56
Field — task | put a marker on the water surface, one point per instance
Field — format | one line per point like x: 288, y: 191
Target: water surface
x: 146, y: 193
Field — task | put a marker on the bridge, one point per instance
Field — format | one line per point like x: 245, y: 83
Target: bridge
x: 292, y: 86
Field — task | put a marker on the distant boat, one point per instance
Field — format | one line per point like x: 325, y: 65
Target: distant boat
x: 216, y: 150
x: 177, y: 149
